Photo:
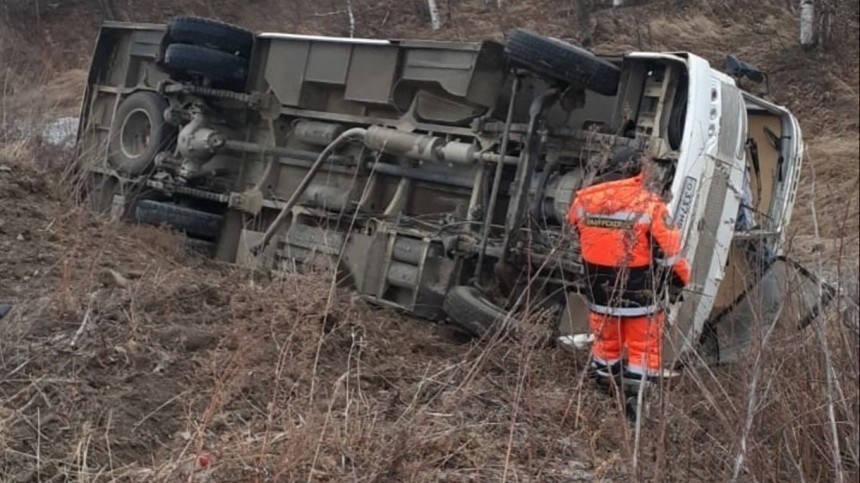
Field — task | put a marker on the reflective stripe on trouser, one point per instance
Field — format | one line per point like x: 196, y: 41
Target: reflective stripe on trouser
x: 608, y: 342
x: 642, y: 336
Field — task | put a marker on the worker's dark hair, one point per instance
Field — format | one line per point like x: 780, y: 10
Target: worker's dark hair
x: 625, y: 162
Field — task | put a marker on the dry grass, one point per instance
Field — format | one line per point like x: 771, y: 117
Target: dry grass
x: 177, y: 357
x: 260, y: 374
x: 833, y: 161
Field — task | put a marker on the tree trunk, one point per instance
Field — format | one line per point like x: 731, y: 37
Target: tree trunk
x: 108, y: 10
x: 351, y: 18
x: 583, y: 16
x: 434, y: 14
x: 807, y: 23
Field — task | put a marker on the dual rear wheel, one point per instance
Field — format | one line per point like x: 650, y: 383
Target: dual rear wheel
x: 211, y: 51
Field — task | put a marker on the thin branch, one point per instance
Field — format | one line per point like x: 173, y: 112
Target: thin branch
x: 822, y: 341
x: 752, y: 402
x: 435, y: 22
x: 351, y: 18
x: 332, y: 13
x: 84, y: 322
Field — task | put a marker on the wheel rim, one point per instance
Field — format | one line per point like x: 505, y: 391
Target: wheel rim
x: 136, y: 133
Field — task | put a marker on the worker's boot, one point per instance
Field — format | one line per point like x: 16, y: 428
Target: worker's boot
x: 632, y: 381
x: 606, y: 376
x: 649, y: 384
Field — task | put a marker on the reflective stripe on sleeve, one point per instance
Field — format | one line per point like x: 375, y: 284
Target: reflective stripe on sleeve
x: 623, y: 216
x: 668, y: 262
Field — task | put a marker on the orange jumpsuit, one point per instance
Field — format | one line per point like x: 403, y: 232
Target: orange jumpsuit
x: 630, y: 250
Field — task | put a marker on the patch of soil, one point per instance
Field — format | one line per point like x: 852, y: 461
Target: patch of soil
x: 126, y: 355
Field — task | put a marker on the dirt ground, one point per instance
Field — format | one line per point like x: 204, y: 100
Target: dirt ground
x: 126, y: 358
x: 128, y: 354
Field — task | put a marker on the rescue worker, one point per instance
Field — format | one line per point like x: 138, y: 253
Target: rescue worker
x: 632, y: 254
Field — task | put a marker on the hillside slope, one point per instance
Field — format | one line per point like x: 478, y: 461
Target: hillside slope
x: 126, y: 358
x: 821, y: 87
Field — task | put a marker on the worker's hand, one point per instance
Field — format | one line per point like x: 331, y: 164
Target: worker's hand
x: 676, y: 293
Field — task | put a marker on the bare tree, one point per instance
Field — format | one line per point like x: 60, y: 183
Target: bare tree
x: 824, y: 29
x: 108, y: 9
x: 435, y: 22
x: 583, y: 16
x: 807, y: 23
x: 351, y: 18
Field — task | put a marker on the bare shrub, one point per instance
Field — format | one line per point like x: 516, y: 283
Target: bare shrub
x: 285, y: 379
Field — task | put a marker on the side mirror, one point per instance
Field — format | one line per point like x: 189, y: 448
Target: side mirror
x: 739, y: 68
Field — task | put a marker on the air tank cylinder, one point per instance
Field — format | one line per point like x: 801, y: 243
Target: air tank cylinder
x: 418, y: 146
x: 560, y: 191
x: 317, y: 133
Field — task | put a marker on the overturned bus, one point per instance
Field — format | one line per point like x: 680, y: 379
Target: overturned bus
x: 436, y: 177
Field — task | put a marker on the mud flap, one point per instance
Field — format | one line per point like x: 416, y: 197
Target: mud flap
x: 787, y: 294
